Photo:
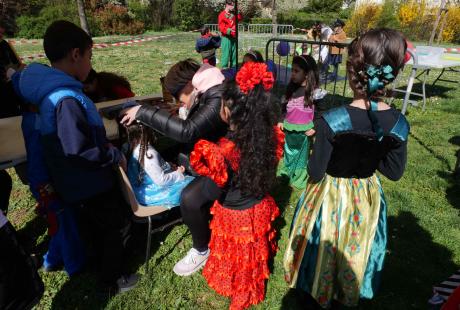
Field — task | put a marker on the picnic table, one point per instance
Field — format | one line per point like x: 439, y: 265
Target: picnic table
x: 423, y: 60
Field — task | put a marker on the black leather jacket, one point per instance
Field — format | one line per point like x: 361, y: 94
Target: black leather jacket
x: 203, y: 121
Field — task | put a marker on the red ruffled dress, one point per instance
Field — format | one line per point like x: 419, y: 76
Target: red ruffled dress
x: 242, y: 241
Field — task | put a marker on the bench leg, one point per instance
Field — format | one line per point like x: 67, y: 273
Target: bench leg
x: 149, y: 242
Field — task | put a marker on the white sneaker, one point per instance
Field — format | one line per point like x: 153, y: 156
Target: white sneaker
x: 191, y: 263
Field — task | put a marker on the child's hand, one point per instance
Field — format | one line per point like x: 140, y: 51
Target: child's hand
x: 181, y: 169
x: 280, y: 126
x: 310, y: 132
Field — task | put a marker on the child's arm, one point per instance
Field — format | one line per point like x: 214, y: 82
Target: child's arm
x: 78, y: 140
x: 394, y: 164
x: 152, y: 167
x: 322, y: 150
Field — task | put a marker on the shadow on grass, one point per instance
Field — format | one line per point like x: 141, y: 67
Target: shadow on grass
x: 84, y: 292
x: 281, y: 193
x: 30, y: 235
x: 453, y: 178
x: 431, y: 91
x: 431, y: 151
x: 413, y: 264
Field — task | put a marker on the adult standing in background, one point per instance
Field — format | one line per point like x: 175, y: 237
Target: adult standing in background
x: 227, y: 26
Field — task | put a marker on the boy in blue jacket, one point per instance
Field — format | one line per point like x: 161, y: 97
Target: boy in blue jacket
x: 206, y: 45
x: 78, y: 156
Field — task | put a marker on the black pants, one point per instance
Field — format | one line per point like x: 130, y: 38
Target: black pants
x: 5, y: 190
x: 20, y: 285
x: 105, y: 229
x: 196, y: 200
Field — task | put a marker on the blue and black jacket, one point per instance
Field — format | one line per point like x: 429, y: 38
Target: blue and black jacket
x: 75, y: 148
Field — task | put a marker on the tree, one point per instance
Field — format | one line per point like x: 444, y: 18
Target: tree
x: 8, y: 13
x: 82, y: 15
x: 324, y: 6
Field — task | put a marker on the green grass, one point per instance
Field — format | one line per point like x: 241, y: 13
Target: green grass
x: 424, y: 222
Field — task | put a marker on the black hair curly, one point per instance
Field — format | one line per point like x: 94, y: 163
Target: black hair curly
x: 376, y: 47
x: 253, y: 117
x: 308, y: 65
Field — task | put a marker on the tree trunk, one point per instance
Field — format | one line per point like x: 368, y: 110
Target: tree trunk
x: 82, y: 15
x: 274, y: 22
x: 444, y: 19
x: 436, y: 23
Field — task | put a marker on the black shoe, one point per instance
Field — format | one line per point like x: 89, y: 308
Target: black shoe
x: 127, y: 283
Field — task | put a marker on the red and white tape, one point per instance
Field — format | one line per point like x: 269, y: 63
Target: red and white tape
x: 105, y: 45
x: 129, y: 42
x: 22, y: 41
x: 452, y: 49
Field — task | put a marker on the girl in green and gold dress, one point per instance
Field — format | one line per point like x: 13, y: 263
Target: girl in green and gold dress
x: 338, y: 235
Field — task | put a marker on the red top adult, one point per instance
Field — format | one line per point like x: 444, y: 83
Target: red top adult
x: 227, y: 21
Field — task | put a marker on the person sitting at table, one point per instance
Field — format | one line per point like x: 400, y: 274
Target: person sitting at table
x: 199, y: 90
x: 153, y: 179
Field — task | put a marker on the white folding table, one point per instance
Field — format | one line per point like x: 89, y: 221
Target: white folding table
x: 446, y: 62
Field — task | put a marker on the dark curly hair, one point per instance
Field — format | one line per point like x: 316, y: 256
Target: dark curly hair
x: 308, y: 65
x: 376, y: 47
x: 139, y: 134
x: 253, y: 117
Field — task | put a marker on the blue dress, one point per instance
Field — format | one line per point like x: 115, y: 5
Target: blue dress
x: 161, y: 186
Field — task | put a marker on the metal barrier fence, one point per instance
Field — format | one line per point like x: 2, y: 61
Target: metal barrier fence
x: 282, y: 50
x: 255, y: 36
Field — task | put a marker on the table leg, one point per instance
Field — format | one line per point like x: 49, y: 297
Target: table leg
x: 423, y: 88
x: 439, y: 76
x: 408, y: 90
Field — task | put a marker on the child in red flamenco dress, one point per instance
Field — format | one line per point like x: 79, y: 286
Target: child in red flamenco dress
x: 243, y: 164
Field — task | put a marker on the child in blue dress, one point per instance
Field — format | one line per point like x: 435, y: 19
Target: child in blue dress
x: 154, y: 180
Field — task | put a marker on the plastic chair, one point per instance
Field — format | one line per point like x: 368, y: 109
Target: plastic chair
x: 143, y: 211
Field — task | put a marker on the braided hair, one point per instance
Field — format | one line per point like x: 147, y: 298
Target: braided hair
x: 138, y: 134
x: 377, y: 47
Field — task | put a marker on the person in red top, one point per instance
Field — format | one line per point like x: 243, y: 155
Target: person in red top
x: 104, y: 86
x: 227, y: 26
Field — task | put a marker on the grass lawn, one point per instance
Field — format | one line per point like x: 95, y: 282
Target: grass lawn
x: 424, y: 222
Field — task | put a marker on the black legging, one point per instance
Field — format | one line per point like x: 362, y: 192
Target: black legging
x: 196, y: 200
x: 5, y: 190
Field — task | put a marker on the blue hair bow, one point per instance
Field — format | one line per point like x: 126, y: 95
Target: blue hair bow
x: 375, y: 82
x: 376, y: 76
